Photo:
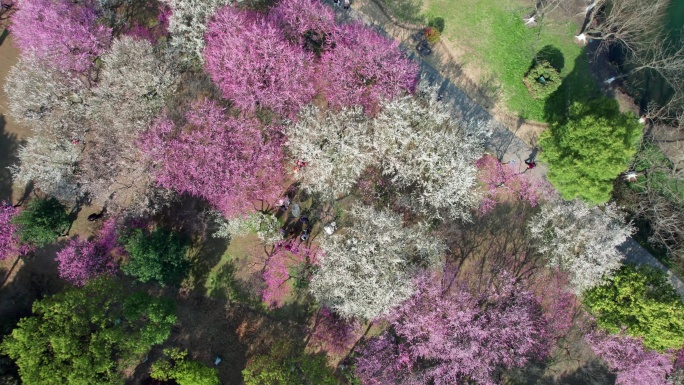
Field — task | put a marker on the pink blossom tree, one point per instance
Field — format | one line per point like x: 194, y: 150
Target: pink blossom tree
x: 289, y: 260
x: 504, y: 182
x: 230, y: 162
x: 82, y: 260
x: 627, y: 357
x: 364, y: 68
x: 333, y: 333
x: 61, y: 33
x: 450, y: 336
x: 254, y: 66
x: 307, y: 23
x: 10, y: 243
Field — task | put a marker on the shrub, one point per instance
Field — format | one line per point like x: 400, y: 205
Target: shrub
x: 641, y: 301
x: 159, y: 255
x: 41, y: 222
x: 542, y: 79
x: 431, y: 35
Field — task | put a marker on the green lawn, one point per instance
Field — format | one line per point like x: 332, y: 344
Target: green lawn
x: 493, y: 33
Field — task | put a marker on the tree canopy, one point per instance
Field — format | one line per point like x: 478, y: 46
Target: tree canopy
x: 175, y: 366
x: 87, y: 335
x: 588, y: 151
x: 284, y: 365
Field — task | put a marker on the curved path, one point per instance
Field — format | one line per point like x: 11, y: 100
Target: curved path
x: 503, y: 143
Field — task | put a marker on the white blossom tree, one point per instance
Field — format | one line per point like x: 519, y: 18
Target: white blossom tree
x: 188, y: 23
x: 580, y: 240
x: 134, y: 84
x: 47, y: 100
x: 366, y: 269
x: 336, y: 147
x: 51, y: 165
x: 430, y: 154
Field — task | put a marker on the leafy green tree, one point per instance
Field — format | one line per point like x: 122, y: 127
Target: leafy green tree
x: 87, y: 335
x: 642, y: 301
x: 41, y: 222
x: 183, y: 371
x: 285, y: 366
x: 159, y: 255
x: 588, y: 151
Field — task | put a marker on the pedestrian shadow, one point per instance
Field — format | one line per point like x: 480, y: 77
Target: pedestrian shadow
x: 9, y: 144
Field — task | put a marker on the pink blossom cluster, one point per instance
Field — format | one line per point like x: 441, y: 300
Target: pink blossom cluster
x: 505, y: 183
x: 281, y: 266
x: 278, y: 62
x: 254, y: 66
x: 333, y: 333
x: 155, y: 32
x: 64, y: 34
x: 82, y: 260
x: 559, y: 305
x: 230, y: 162
x: 462, y: 336
x: 364, y: 69
x: 627, y: 357
x: 303, y: 20
x: 10, y: 243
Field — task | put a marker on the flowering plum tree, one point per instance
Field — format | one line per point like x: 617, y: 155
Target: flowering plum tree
x: 10, y: 242
x: 421, y: 147
x: 61, y: 33
x: 50, y: 164
x: 230, y: 162
x: 504, y: 182
x: 452, y: 336
x: 335, y: 149
x: 133, y: 86
x: 50, y: 102
x: 308, y: 23
x: 627, y: 357
x: 364, y: 69
x: 580, y: 240
x: 188, y: 23
x: 254, y: 66
x: 287, y: 261
x: 82, y: 260
x: 367, y: 270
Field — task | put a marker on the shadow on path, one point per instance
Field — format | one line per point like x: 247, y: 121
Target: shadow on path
x: 8, y: 156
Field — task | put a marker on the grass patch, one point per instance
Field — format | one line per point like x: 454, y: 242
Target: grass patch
x: 493, y: 34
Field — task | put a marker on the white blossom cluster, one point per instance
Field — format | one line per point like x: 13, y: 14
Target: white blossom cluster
x: 580, y: 240
x: 53, y: 104
x: 413, y: 140
x: 188, y: 23
x: 366, y: 269
x: 336, y: 147
x: 133, y: 85
x: 50, y: 164
x: 265, y: 226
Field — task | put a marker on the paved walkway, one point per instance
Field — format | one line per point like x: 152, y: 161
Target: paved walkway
x: 503, y: 143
